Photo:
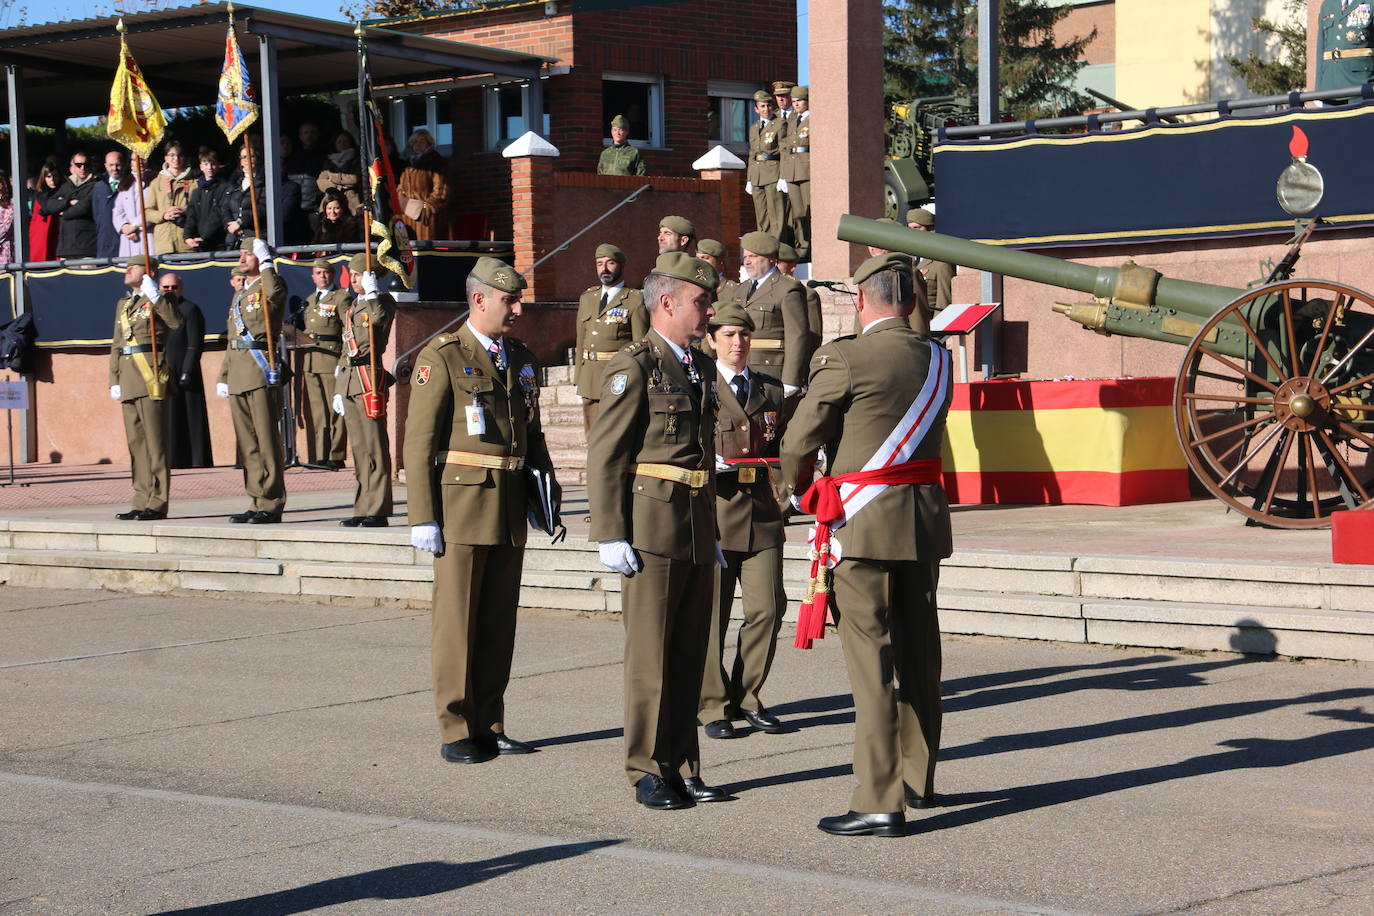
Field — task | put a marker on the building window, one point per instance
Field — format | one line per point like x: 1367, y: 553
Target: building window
x: 422, y: 112
x: 640, y: 99
x: 730, y: 113
x: 507, y: 118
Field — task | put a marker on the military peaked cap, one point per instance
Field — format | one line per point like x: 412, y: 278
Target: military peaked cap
x: 712, y: 247
x: 762, y: 96
x: 607, y: 250
x: 498, y: 275
x: 730, y: 313
x: 679, y: 224
x: 760, y: 243
x: 782, y: 87
x: 682, y: 266
x: 890, y: 261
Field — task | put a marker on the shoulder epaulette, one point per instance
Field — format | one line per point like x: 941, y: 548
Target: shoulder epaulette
x: 444, y: 340
x: 517, y: 342
x: 634, y: 348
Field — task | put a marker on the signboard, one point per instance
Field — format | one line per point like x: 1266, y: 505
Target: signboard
x: 14, y: 395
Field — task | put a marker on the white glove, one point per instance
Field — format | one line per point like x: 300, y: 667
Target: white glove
x: 427, y: 537
x: 789, y: 390
x: 338, y: 370
x: 720, y: 556
x: 782, y: 185
x: 222, y: 389
x: 339, y: 404
x: 723, y: 466
x: 748, y: 187
x: 114, y: 393
x: 620, y: 557
x: 263, y: 254
x: 369, y: 284
x: 149, y: 289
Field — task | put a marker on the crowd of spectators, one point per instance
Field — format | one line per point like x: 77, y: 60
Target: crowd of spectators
x: 189, y: 203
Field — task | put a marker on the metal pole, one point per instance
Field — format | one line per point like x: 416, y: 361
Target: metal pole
x: 989, y: 105
x: 271, y: 138
x: 19, y: 170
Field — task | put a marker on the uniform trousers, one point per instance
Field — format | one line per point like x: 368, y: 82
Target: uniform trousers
x: 770, y: 209
x: 328, y: 442
x: 371, y: 459
x: 799, y: 218
x: 256, y: 415
x: 667, y: 617
x: 145, y: 428
x: 589, y: 409
x: 760, y: 576
x: 476, y: 588
x: 889, y: 628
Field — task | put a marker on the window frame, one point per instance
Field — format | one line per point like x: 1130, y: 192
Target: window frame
x: 657, y: 137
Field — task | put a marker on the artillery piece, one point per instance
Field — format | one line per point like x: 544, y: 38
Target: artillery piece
x: 1274, y: 396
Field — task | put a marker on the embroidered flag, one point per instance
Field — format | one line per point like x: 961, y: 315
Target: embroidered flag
x: 385, y: 224
x: 236, y: 108
x: 135, y: 120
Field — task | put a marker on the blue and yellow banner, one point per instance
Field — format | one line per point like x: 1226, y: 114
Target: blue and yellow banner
x: 236, y: 108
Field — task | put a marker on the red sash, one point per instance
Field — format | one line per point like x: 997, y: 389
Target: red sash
x: 823, y: 500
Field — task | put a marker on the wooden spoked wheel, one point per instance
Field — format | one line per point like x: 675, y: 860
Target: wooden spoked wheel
x: 1285, y: 433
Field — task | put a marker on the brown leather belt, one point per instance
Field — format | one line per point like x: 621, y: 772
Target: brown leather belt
x: 478, y: 460
x: 1342, y: 53
x: 595, y: 356
x: 765, y: 344
x: 694, y: 479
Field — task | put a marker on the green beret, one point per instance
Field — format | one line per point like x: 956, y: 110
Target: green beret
x: 787, y: 254
x: 607, y: 250
x: 247, y: 243
x: 712, y: 247
x: 621, y: 122
x: 682, y: 266
x: 730, y: 313
x: 760, y: 243
x: 237, y: 272
x: 886, y: 219
x: 147, y: 262
x: 762, y: 96
x: 799, y: 92
x: 782, y: 87
x: 498, y: 275
x: 359, y: 263
x: 679, y: 224
x: 323, y: 264
x: 890, y: 261
x: 920, y: 216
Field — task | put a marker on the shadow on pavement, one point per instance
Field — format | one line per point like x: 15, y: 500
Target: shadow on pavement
x: 399, y: 882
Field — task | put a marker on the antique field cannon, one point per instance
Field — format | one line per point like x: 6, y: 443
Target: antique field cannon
x: 1273, y: 399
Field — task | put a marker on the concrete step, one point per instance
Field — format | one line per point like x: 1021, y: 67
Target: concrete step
x: 566, y: 437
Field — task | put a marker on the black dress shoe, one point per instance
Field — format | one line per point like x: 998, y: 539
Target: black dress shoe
x: 353, y: 521
x: 265, y: 518
x: 317, y: 466
x: 506, y: 745
x: 333, y: 465
x: 856, y: 824
x: 242, y: 517
x: 700, y: 791
x: 465, y: 750
x: 720, y: 728
x: 915, y: 800
x: 653, y: 792
x: 132, y: 515
x: 763, y: 720
x: 373, y: 521
x: 150, y: 515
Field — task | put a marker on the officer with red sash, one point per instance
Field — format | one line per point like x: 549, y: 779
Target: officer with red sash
x: 876, y: 402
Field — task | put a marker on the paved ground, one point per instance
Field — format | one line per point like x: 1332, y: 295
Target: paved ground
x: 231, y: 757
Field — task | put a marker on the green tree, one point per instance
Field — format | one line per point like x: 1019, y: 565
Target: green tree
x: 1281, y: 64
x: 923, y: 49
x: 398, y: 9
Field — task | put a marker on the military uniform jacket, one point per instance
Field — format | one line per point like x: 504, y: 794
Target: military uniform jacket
x: 859, y: 389
x: 778, y: 308
x: 624, y: 319
x: 652, y: 414
x: 620, y: 160
x: 796, y: 149
x: 473, y: 505
x: 938, y: 277
x: 379, y: 313
x: 727, y: 290
x: 324, y: 316
x: 748, y: 514
x: 268, y: 294
x: 124, y: 370
x: 765, y: 152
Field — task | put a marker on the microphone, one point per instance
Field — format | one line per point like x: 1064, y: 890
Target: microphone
x: 835, y: 285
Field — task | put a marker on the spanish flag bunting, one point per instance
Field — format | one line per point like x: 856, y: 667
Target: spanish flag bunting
x: 135, y: 119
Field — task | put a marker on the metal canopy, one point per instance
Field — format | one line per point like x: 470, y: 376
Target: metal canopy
x: 68, y: 66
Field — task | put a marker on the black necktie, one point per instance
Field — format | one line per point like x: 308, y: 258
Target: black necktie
x: 605, y: 298
x: 741, y: 388
x: 753, y: 285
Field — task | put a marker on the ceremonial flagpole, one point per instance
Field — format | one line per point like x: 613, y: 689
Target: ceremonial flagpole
x: 155, y: 386
x: 368, y: 203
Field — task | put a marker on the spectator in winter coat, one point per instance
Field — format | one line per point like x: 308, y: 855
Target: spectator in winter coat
x: 203, y: 224
x: 72, y: 202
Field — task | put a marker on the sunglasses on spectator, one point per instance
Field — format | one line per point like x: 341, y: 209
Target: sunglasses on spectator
x: 171, y: 286
x: 80, y: 164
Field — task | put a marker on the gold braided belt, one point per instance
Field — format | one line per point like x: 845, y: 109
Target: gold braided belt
x: 476, y: 460
x: 694, y: 479
x: 598, y: 356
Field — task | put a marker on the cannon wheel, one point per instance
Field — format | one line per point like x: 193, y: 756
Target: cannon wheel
x: 1285, y: 440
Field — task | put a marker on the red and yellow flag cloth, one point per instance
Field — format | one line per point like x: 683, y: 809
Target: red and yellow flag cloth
x: 235, y: 108
x: 135, y: 119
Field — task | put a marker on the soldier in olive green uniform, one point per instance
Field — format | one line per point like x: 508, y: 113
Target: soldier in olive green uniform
x: 321, y: 318
x: 254, y: 404
x: 777, y: 305
x: 796, y: 170
x: 713, y: 253
x: 620, y: 158
x: 675, y: 233
x: 764, y: 169
x: 748, y: 430
x: 935, y: 277
x: 1345, y: 46
x: 471, y: 429
x: 609, y: 315
x: 652, y: 499
x: 366, y: 327
x: 879, y: 401
x: 787, y: 264
x: 140, y: 387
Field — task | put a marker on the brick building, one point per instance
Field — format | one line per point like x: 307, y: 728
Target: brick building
x: 682, y: 71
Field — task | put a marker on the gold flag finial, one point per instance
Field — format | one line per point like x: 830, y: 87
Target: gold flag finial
x: 119, y: 26
x: 358, y: 29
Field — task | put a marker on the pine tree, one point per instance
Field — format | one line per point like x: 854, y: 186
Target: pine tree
x: 1281, y: 65
x: 923, y: 49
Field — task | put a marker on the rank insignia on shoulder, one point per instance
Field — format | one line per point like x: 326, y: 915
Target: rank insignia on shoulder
x: 421, y: 375
x: 618, y: 383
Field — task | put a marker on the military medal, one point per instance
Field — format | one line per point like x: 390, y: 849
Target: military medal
x: 770, y: 425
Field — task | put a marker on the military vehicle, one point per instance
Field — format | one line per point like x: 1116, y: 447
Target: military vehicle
x: 909, y: 178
